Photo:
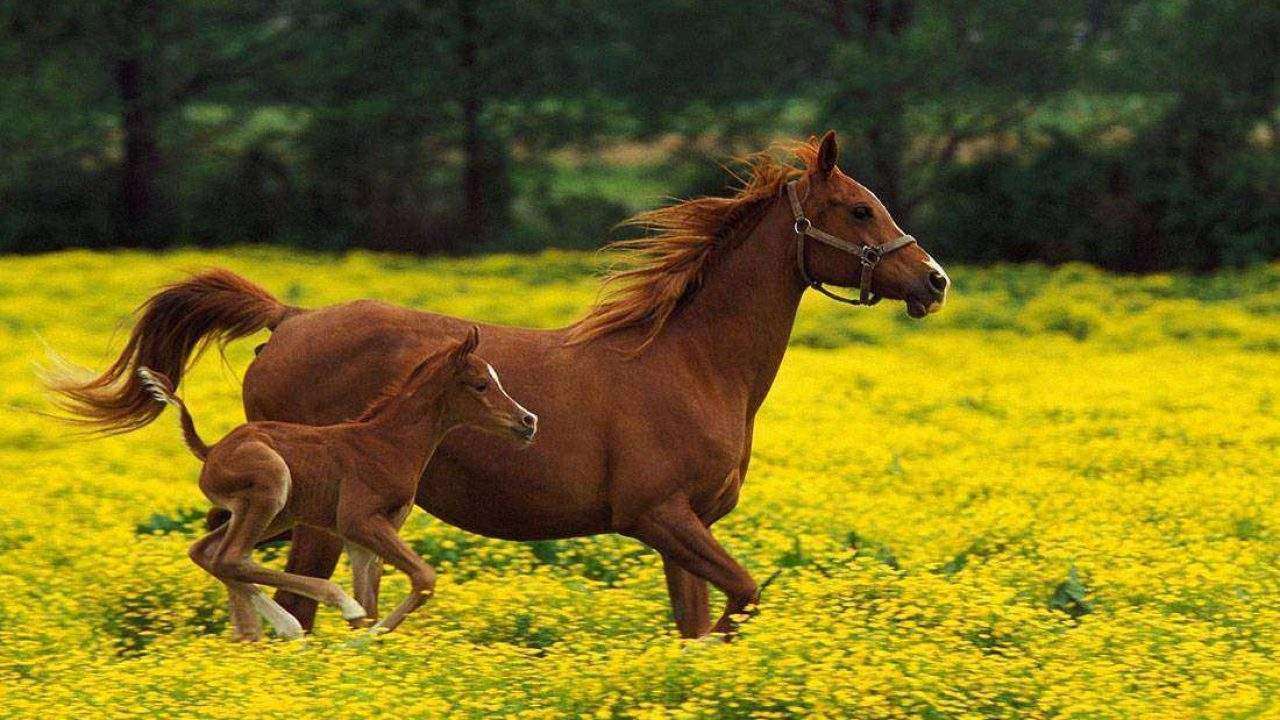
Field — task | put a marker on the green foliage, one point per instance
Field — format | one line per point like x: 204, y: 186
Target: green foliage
x: 1071, y: 596
x: 186, y: 521
x: 998, y: 131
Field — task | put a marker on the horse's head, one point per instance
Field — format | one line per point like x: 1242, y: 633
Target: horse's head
x: 835, y: 205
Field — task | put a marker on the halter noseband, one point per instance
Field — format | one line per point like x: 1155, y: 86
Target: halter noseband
x: 870, y: 255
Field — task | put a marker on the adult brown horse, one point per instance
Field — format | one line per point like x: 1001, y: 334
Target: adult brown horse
x: 647, y: 404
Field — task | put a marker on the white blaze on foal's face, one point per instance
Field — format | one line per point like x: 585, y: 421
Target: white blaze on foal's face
x: 483, y: 401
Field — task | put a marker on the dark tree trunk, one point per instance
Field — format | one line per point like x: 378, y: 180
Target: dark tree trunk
x: 474, y: 220
x: 885, y: 144
x: 884, y: 22
x: 137, y: 222
x: 840, y: 17
x: 141, y: 159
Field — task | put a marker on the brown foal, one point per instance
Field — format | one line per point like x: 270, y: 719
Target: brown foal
x: 355, y: 479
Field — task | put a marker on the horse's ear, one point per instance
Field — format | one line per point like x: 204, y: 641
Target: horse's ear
x: 828, y: 151
x: 458, y: 356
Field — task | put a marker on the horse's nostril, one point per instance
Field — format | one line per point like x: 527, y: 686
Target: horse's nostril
x: 528, y: 420
x: 938, y: 281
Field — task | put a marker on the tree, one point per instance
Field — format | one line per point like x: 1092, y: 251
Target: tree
x: 915, y: 81
x: 142, y: 62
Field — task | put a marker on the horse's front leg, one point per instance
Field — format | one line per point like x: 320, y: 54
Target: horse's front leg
x: 380, y: 534
x: 690, y: 601
x: 676, y: 531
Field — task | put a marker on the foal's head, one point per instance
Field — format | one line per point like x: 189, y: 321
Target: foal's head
x: 468, y: 391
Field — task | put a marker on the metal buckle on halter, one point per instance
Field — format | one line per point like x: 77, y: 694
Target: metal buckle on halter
x: 871, y: 255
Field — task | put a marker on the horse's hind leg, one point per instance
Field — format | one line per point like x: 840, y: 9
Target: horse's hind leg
x: 261, y: 481
x: 244, y: 617
x: 246, y: 601
x: 314, y: 553
x: 234, y: 562
x: 689, y: 599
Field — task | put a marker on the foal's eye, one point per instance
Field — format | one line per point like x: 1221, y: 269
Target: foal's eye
x: 862, y: 212
x: 480, y: 387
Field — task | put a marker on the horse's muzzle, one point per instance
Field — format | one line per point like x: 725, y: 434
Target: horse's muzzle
x: 929, y: 294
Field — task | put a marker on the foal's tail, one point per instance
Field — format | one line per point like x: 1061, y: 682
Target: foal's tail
x: 159, y: 387
x: 176, y: 324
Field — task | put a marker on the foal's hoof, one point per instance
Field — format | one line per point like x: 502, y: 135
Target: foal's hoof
x: 361, y: 623
x: 352, y: 611
x: 287, y: 627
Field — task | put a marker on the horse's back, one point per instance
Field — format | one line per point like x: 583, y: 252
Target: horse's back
x: 326, y: 365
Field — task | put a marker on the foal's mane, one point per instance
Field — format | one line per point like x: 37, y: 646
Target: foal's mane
x: 656, y: 274
x: 399, y: 387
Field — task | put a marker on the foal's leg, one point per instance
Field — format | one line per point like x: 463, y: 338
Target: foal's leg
x: 675, y: 531
x: 254, y: 483
x: 246, y: 600
x: 245, y: 623
x: 379, y: 534
x: 233, y: 561
x: 314, y: 553
x: 366, y: 574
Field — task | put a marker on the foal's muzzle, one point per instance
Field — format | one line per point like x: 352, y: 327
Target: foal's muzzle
x: 526, y: 428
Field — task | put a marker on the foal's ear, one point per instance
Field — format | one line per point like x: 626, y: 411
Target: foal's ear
x: 458, y: 356
x: 828, y: 151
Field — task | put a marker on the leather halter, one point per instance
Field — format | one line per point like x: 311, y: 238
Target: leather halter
x: 870, y: 255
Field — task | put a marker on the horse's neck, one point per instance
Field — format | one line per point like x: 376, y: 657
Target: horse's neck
x: 739, y: 321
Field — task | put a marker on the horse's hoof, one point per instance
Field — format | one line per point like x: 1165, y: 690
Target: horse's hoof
x: 708, y: 639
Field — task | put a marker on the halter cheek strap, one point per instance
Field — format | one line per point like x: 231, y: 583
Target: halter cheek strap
x: 869, y: 255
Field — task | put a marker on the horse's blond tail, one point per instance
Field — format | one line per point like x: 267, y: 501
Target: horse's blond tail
x: 161, y: 389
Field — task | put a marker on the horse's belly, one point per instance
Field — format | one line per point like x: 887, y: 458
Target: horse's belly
x: 496, y: 507
x: 513, y: 522
x: 487, y: 486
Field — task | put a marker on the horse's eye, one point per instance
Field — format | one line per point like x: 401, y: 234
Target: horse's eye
x: 481, y: 387
x: 862, y: 212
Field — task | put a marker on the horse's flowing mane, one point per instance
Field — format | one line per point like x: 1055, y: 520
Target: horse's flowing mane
x: 654, y: 275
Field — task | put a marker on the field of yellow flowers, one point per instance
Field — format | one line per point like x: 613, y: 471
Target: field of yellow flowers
x: 1056, y: 499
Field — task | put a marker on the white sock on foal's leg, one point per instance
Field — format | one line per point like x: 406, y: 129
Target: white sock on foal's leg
x: 285, y: 624
x: 351, y: 610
